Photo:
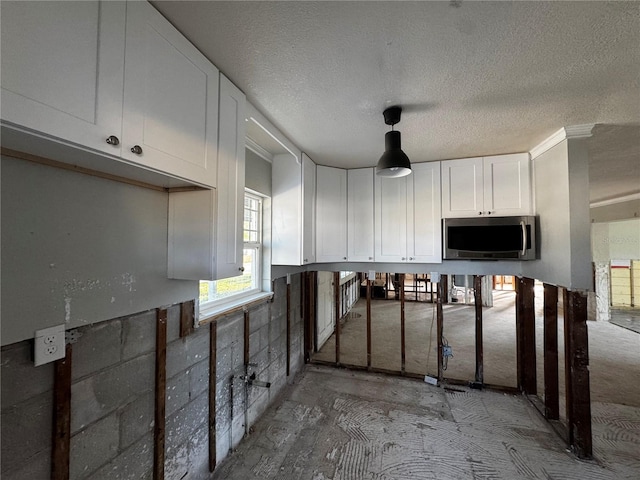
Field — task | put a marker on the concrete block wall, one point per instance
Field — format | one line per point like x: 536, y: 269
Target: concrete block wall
x: 112, y: 392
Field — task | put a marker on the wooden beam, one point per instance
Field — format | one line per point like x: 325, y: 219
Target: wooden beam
x: 403, y: 354
x: 288, y: 327
x: 444, y: 280
x: 525, y: 333
x: 160, y: 394
x: 477, y: 294
x: 336, y: 299
x: 551, y: 388
x: 247, y: 329
x: 213, y: 366
x: 61, y: 441
x: 306, y: 315
x: 314, y: 319
x: 441, y: 294
x: 577, y: 368
x: 368, y: 323
x: 187, y: 312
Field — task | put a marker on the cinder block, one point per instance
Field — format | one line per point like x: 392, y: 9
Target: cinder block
x: 185, y: 421
x: 265, y: 334
x: 185, y: 352
x: 173, y: 323
x: 230, y: 329
x: 93, y: 447
x: 199, y: 454
x: 258, y: 405
x: 199, y: 378
x: 137, y: 420
x: 20, y: 379
x: 254, y: 343
x: 177, y: 394
x: 98, y: 395
x: 223, y: 362
x: 26, y: 431
x: 259, y: 317
x: 139, y: 334
x: 98, y: 347
x: 176, y: 462
x: 38, y: 466
x: 135, y: 462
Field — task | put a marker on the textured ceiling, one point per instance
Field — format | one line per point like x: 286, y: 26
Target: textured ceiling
x: 473, y: 78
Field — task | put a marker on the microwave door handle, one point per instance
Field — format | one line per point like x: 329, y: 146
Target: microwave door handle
x: 524, y: 238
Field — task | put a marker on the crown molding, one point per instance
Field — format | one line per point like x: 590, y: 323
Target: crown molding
x: 614, y: 201
x: 565, y: 133
x: 258, y: 150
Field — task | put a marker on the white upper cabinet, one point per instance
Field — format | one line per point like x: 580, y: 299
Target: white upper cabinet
x: 331, y: 214
x: 62, y: 69
x: 108, y: 77
x: 231, y: 167
x: 407, y: 213
x: 170, y: 120
x: 308, y: 210
x: 497, y: 186
x: 293, y: 183
x: 360, y: 244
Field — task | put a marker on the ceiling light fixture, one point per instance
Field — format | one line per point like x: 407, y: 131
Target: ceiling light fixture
x: 393, y: 162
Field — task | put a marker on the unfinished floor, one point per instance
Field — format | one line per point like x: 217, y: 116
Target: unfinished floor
x: 340, y: 424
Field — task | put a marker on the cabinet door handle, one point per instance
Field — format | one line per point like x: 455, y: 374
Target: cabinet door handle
x: 137, y: 149
x: 241, y: 269
x: 113, y: 140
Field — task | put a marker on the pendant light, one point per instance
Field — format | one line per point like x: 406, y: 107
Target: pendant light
x: 393, y: 162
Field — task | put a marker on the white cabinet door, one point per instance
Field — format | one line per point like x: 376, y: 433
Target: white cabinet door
x: 231, y: 166
x: 391, y: 217
x: 308, y: 210
x: 360, y: 200
x: 286, y: 210
x: 507, y: 185
x: 170, y: 112
x: 331, y: 214
x: 424, y: 241
x: 62, y: 69
x: 462, y: 187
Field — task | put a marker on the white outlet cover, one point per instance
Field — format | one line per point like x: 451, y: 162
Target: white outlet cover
x: 49, y: 345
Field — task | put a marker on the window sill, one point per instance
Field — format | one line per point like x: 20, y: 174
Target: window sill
x: 211, y: 313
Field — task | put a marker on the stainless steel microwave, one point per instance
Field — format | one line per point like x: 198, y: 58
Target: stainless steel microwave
x: 489, y: 238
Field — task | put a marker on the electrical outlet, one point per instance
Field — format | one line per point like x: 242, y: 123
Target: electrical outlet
x: 49, y: 345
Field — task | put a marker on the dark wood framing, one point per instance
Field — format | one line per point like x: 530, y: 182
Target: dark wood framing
x: 160, y: 394
x: 577, y: 373
x: 213, y: 348
x: 368, y: 323
x: 288, y: 327
x: 187, y: 312
x: 336, y: 299
x: 526, y: 339
x: 247, y: 329
x: 551, y: 388
x: 442, y: 292
x: 477, y: 294
x: 403, y: 354
x: 61, y: 441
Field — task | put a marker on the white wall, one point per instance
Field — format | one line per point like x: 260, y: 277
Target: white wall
x: 616, y: 240
x: 561, y: 182
x: 78, y: 249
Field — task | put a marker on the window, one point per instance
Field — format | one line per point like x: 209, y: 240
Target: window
x: 229, y: 289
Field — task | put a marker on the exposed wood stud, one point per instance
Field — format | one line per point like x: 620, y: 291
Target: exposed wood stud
x: 187, y: 312
x: 444, y: 281
x: 247, y: 329
x: 368, y: 323
x: 306, y: 314
x: 477, y: 293
x: 213, y: 349
x: 160, y: 394
x: 442, y: 292
x: 61, y: 441
x: 403, y: 354
x: 288, y: 329
x: 551, y: 387
x: 336, y: 298
x: 577, y: 372
x: 526, y: 339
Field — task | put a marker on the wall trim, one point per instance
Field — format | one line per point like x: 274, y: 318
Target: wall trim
x: 258, y: 150
x: 613, y: 201
x: 565, y: 133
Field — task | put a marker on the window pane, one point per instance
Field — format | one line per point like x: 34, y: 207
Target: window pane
x: 219, y: 289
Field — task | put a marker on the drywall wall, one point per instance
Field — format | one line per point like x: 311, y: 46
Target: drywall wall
x: 257, y: 173
x: 78, y: 249
x: 616, y: 240
x: 561, y: 181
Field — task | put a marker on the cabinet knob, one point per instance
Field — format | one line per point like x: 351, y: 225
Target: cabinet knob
x: 306, y: 260
x: 113, y: 140
x: 137, y: 149
x: 479, y: 213
x: 241, y: 269
x: 370, y: 258
x: 489, y: 213
x: 410, y: 258
x: 403, y: 258
x: 344, y: 258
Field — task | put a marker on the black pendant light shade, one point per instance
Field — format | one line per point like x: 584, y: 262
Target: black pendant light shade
x: 393, y: 162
